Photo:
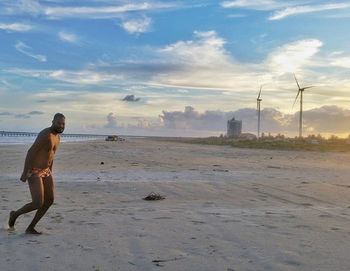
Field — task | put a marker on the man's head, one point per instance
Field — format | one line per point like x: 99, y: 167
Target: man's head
x: 58, y: 123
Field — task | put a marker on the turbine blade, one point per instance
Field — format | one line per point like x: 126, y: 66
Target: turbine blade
x: 309, y: 87
x: 296, y: 98
x: 259, y: 92
x: 296, y: 81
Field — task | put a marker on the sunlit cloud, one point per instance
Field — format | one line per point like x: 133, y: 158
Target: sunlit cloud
x: 293, y: 56
x: 205, y: 63
x: 111, y: 121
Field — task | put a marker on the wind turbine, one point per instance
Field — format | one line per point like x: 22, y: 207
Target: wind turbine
x: 300, y: 91
x: 258, y: 101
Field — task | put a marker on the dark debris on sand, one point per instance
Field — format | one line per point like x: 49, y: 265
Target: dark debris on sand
x: 154, y: 196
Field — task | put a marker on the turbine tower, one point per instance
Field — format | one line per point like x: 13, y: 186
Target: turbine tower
x: 258, y: 101
x: 300, y: 91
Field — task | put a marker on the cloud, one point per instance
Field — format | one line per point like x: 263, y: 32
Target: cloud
x: 292, y: 11
x: 190, y: 119
x: 111, y: 121
x: 22, y: 116
x: 256, y: 4
x: 237, y: 15
x: 5, y: 114
x: 72, y: 10
x: 130, y: 98
x: 83, y: 77
x: 79, y: 77
x: 204, y: 63
x: 140, y: 25
x: 15, y: 27
x: 293, y: 56
x: 32, y: 7
x: 26, y: 50
x: 325, y: 119
x: 284, y: 9
x: 341, y: 61
x: 68, y: 37
x: 35, y: 113
x: 196, y: 62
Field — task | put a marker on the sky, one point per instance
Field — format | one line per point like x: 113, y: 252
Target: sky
x: 174, y: 68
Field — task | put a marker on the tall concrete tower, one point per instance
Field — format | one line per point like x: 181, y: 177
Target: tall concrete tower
x: 234, y: 128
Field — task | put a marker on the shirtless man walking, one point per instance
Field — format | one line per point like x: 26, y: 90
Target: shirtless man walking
x: 37, y: 170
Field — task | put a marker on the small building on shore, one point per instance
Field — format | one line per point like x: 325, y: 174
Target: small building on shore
x: 234, y: 128
x: 247, y: 136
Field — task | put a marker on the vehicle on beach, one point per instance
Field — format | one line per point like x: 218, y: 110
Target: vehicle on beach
x: 114, y: 138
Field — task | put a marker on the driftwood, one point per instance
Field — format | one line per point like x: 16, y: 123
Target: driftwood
x: 154, y: 196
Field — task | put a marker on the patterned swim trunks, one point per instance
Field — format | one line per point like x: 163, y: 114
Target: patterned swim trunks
x: 42, y: 173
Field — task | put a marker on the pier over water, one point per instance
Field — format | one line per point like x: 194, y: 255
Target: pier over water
x: 30, y: 134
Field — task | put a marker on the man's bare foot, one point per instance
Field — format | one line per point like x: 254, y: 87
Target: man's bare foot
x: 12, y: 219
x: 32, y: 231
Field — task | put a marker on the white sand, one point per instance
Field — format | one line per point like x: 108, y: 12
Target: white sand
x: 225, y: 209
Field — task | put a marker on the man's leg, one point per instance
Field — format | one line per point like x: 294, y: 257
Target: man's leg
x: 37, y: 191
x: 48, y: 201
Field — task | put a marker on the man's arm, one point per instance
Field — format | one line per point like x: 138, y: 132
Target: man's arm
x: 58, y: 143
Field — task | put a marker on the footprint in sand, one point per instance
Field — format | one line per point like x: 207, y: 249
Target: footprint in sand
x: 93, y: 223
x: 306, y: 204
x: 208, y: 203
x: 303, y: 227
x: 270, y: 213
x: 33, y: 242
x: 325, y: 215
x: 269, y: 226
x: 335, y: 229
x: 80, y: 222
x: 56, y: 218
x: 147, y: 210
x: 86, y: 248
x: 97, y: 213
x: 292, y: 262
x: 196, y: 222
x: 231, y: 220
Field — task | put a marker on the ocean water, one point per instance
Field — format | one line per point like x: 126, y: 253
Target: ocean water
x: 24, y: 140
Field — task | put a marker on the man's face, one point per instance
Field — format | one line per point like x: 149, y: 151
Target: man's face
x: 58, y: 125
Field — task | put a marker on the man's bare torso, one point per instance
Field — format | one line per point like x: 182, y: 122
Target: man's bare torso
x: 45, y: 145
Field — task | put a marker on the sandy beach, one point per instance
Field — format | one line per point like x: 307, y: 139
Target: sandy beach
x: 225, y: 209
